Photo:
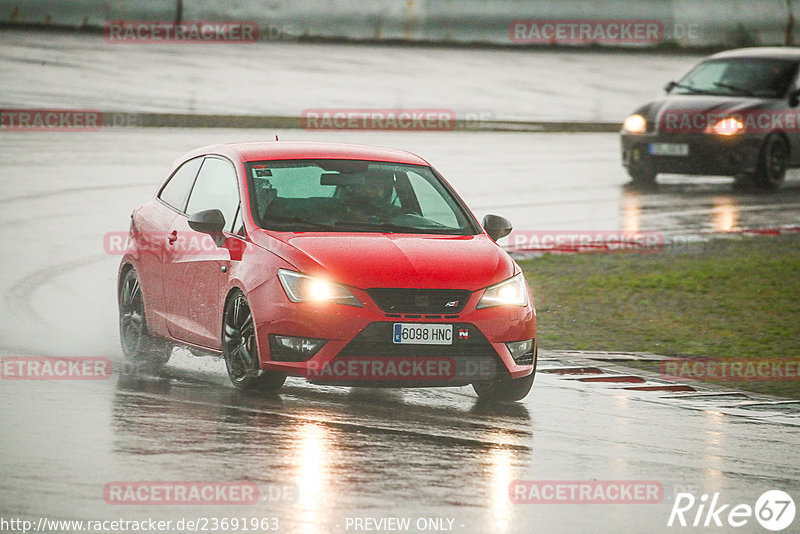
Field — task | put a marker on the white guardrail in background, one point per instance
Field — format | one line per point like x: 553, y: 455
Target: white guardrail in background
x: 688, y: 23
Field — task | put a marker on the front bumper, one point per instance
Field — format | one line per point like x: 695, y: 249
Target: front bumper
x: 360, y: 352
x: 708, y: 154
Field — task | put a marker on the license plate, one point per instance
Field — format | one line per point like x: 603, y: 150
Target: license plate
x: 668, y: 149
x: 422, y: 334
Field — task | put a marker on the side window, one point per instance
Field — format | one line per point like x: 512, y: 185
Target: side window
x: 216, y: 188
x: 431, y: 202
x: 177, y: 187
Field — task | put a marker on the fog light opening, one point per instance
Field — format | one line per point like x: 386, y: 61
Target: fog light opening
x: 294, y: 349
x: 521, y: 351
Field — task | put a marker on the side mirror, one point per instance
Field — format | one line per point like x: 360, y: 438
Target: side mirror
x: 794, y: 98
x: 670, y: 86
x: 496, y: 226
x: 210, y: 222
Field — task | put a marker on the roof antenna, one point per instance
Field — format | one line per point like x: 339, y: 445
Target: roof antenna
x: 276, y: 137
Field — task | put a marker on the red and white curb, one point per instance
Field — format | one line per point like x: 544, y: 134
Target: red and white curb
x: 607, y: 369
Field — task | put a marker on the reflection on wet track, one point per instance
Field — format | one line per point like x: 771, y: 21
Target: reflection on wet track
x: 342, y: 449
x: 435, y: 453
x: 345, y: 453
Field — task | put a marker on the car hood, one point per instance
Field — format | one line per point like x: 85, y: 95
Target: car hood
x: 710, y: 106
x: 367, y: 260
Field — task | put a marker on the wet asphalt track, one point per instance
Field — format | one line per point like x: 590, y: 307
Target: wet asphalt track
x: 347, y: 453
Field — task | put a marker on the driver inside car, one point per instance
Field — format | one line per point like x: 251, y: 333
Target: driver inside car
x: 370, y: 198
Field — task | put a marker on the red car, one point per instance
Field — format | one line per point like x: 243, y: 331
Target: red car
x: 343, y: 264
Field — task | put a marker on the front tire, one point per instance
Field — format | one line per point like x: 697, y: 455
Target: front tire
x: 509, y: 390
x: 137, y: 345
x: 772, y: 163
x: 239, y: 348
x: 641, y: 177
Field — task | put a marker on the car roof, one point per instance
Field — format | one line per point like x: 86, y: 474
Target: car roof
x: 277, y: 150
x: 770, y: 52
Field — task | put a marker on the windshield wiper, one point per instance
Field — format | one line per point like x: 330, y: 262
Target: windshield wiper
x: 739, y: 90
x: 389, y: 227
x: 692, y: 89
x: 297, y: 220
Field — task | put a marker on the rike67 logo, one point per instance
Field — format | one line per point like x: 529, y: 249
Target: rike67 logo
x: 774, y: 511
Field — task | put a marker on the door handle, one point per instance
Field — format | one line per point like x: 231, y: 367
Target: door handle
x: 172, y: 237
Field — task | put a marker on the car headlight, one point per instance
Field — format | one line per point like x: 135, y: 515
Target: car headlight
x: 726, y: 127
x: 511, y: 292
x: 635, y: 124
x: 302, y: 288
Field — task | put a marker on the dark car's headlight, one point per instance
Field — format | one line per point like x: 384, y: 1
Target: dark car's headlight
x: 303, y: 288
x: 726, y: 127
x: 635, y: 124
x: 511, y: 292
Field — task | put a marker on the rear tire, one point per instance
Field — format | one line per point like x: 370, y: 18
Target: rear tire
x: 239, y: 348
x: 772, y: 163
x: 509, y: 390
x: 137, y: 345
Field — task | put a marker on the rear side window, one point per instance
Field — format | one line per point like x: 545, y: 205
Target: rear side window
x: 177, y: 188
x: 216, y: 188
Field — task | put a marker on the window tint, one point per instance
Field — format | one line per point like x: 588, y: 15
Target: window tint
x: 740, y: 76
x: 177, y: 188
x: 432, y: 203
x: 301, y: 181
x: 353, y: 196
x: 215, y: 188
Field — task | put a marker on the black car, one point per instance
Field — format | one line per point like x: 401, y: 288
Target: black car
x: 734, y: 114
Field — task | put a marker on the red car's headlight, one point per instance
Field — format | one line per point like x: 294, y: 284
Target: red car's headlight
x: 303, y: 288
x: 511, y: 292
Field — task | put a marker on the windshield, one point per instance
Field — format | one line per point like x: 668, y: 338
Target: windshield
x: 354, y: 196
x: 766, y: 78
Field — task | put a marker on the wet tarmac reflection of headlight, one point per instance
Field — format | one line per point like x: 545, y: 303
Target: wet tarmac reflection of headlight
x: 500, y: 503
x: 312, y: 474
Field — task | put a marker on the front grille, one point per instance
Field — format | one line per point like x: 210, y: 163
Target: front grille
x: 471, y: 354
x: 420, y: 301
